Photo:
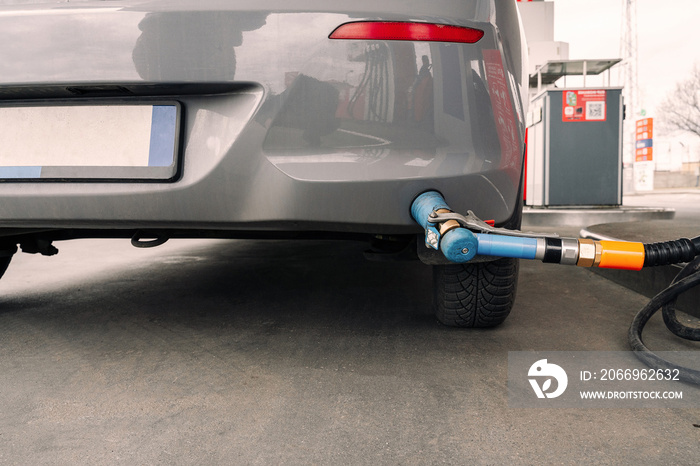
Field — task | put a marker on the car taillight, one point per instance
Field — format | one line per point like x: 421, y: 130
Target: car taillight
x: 390, y: 30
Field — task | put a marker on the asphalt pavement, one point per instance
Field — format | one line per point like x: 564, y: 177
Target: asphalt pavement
x: 285, y: 352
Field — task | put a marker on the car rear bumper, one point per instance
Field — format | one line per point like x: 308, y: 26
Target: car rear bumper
x: 281, y: 128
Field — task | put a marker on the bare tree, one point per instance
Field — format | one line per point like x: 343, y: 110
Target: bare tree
x: 680, y: 110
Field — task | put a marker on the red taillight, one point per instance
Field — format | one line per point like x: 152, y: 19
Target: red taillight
x: 390, y: 30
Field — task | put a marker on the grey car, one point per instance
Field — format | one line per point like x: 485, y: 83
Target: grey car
x: 157, y: 119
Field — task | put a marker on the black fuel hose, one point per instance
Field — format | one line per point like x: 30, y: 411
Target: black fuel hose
x: 671, y: 252
x: 686, y: 279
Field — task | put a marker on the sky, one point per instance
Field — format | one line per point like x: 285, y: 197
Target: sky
x: 668, y: 39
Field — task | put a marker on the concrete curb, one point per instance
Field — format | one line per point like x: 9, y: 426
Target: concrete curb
x: 568, y: 216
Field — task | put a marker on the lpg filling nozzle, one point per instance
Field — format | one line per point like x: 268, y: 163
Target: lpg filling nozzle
x: 462, y: 237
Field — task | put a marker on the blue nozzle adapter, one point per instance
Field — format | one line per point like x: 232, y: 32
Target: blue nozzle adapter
x: 461, y: 245
x: 458, y: 245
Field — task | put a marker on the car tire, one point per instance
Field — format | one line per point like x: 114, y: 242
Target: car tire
x: 475, y: 295
x: 4, y: 262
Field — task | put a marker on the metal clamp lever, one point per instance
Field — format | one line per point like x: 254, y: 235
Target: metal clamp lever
x: 474, y: 223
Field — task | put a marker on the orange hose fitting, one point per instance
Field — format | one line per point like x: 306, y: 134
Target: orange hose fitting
x: 621, y: 255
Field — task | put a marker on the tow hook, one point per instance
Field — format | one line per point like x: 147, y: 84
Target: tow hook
x: 155, y: 238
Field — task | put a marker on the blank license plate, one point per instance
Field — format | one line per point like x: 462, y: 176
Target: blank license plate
x: 89, y: 142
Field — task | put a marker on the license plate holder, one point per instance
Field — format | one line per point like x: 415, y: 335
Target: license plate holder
x: 96, y: 141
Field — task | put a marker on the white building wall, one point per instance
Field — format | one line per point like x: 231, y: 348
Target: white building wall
x: 538, y: 22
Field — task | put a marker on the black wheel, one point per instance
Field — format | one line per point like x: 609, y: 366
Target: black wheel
x: 4, y: 262
x: 475, y: 295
